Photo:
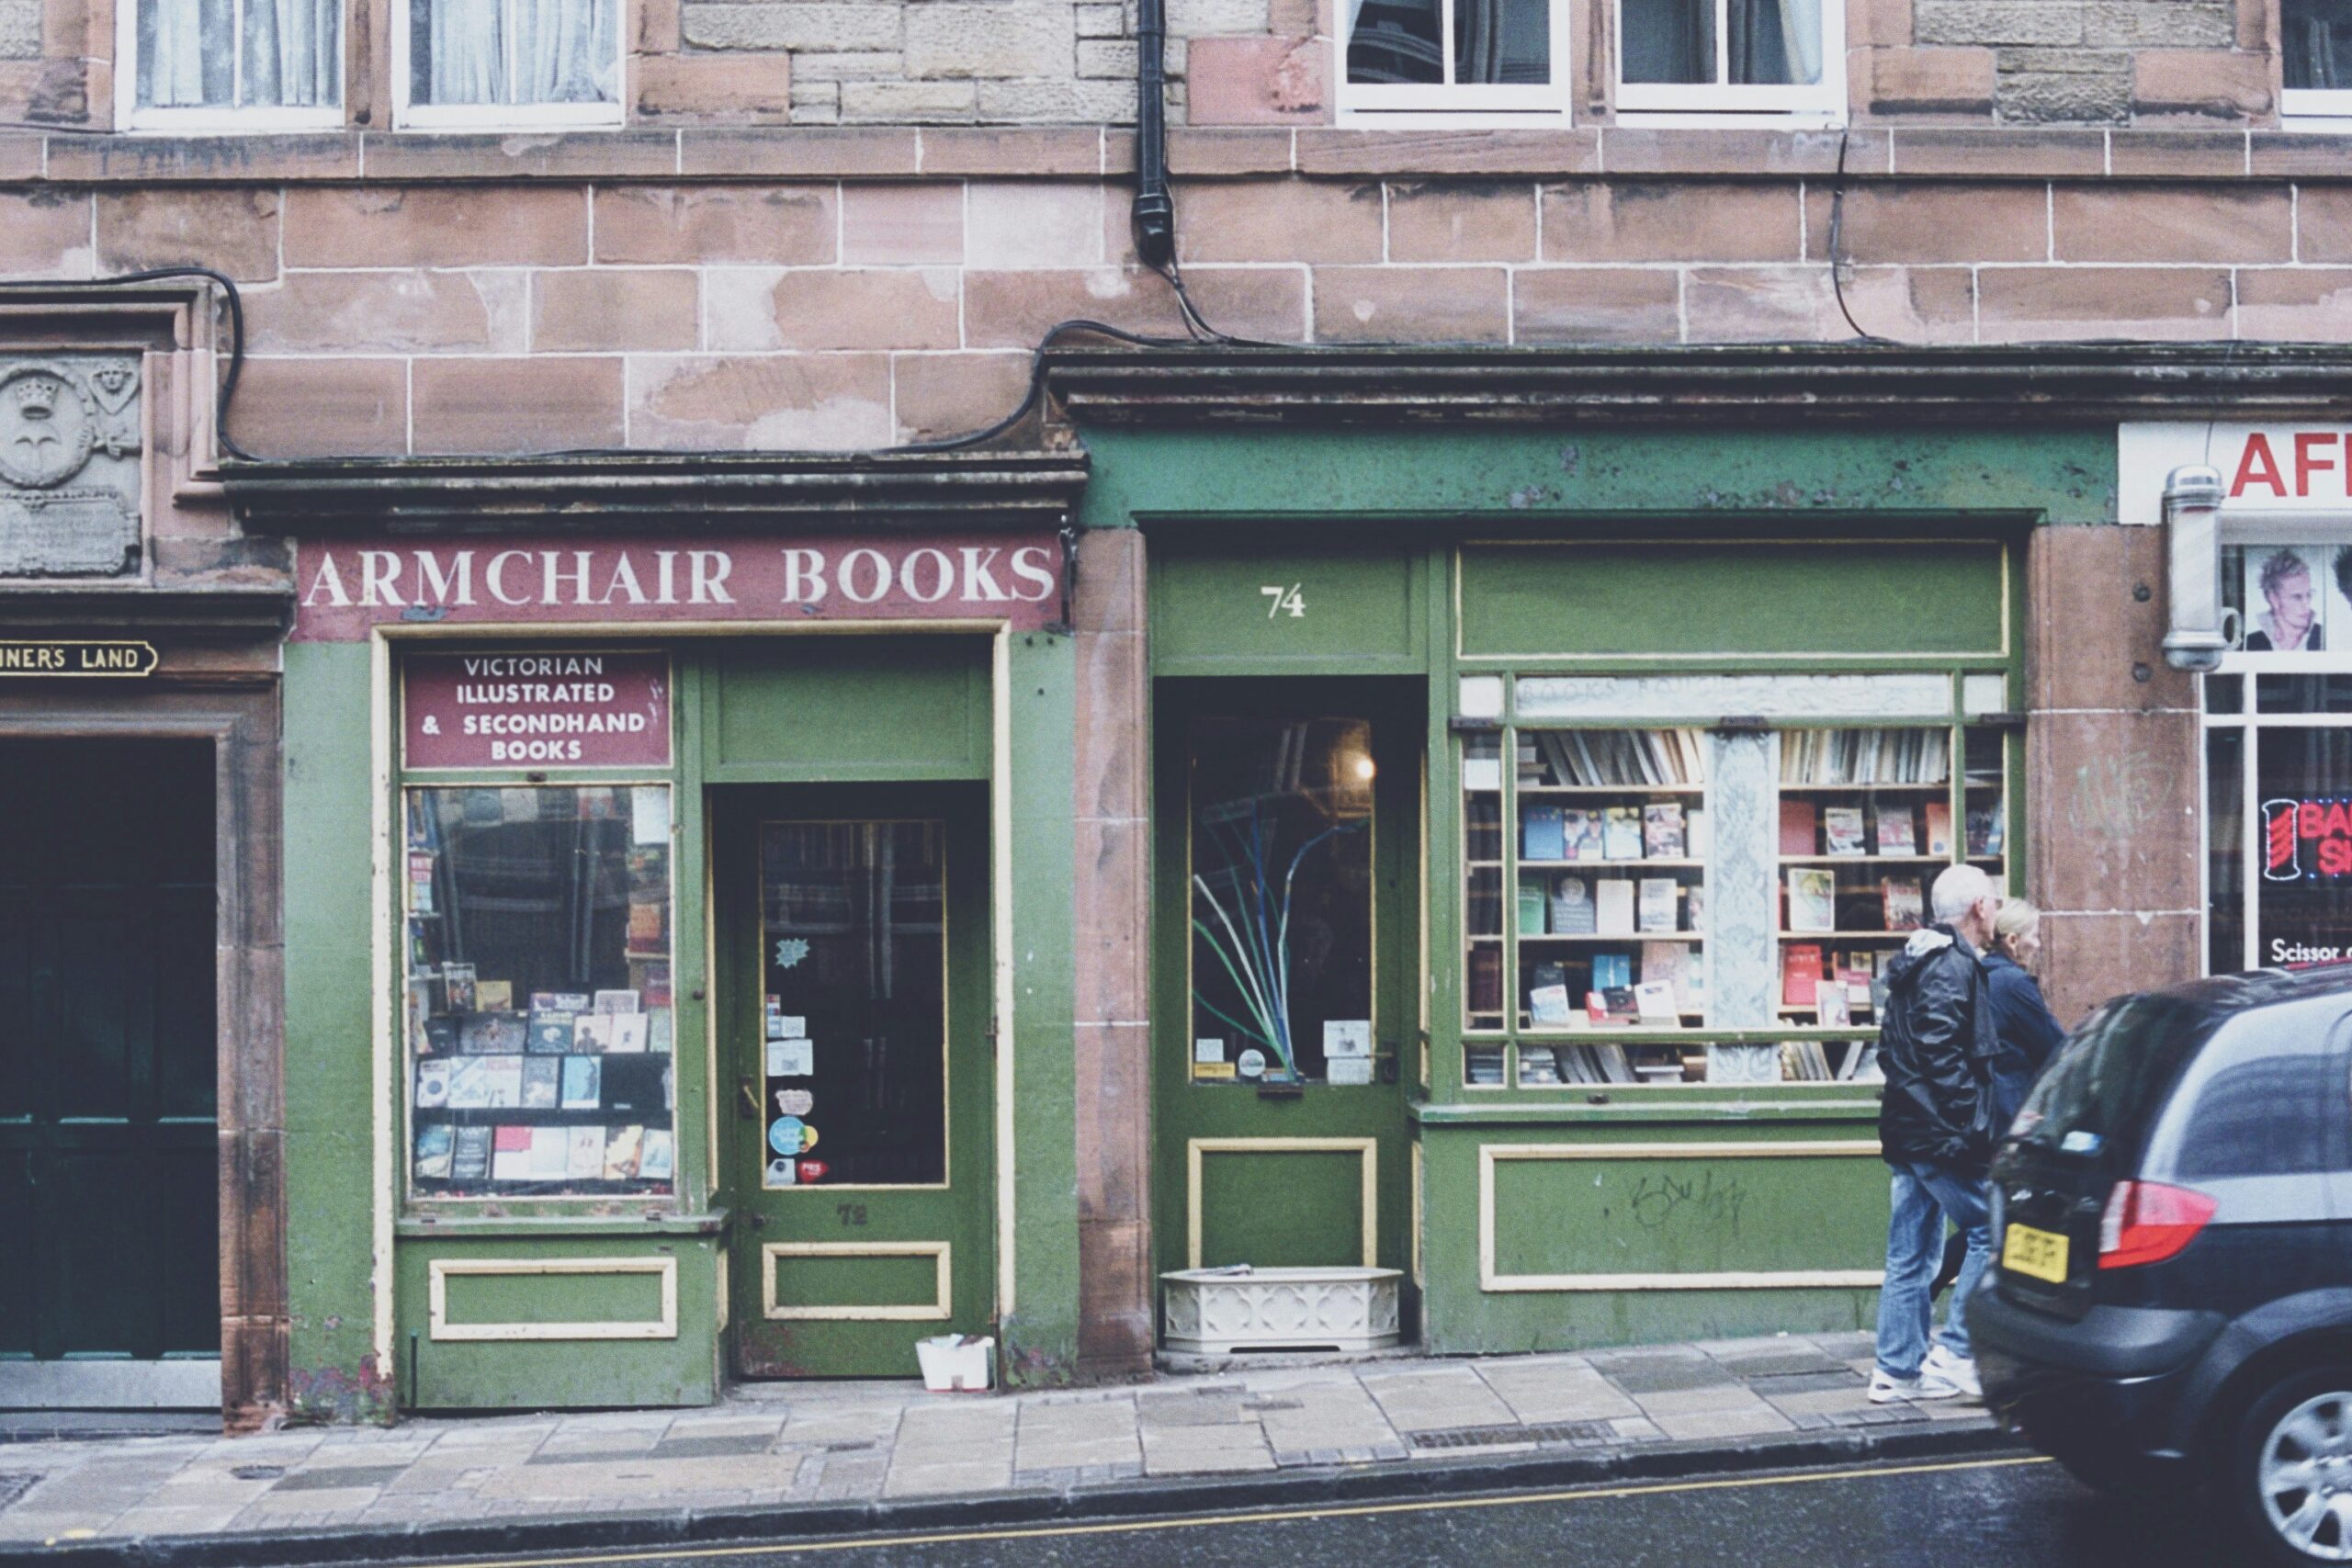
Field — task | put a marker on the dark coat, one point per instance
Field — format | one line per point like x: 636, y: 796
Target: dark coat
x: 2028, y: 1033
x: 1936, y: 1046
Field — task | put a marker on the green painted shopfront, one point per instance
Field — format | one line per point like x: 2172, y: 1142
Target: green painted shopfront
x: 1268, y: 871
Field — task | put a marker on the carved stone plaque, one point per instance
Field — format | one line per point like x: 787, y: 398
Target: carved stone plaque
x: 69, y: 466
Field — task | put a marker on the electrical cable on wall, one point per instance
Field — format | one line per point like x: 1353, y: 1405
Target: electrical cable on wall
x: 1838, y: 245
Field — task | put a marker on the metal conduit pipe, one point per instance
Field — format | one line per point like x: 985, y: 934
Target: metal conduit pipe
x: 1154, y: 212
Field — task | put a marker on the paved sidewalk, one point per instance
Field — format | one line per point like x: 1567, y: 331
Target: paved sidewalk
x: 783, y: 1445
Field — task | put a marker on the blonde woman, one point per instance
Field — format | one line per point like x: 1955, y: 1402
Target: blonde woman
x: 2029, y: 1034
x: 2029, y: 1030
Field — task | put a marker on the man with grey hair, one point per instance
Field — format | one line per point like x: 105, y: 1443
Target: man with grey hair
x: 1936, y: 1041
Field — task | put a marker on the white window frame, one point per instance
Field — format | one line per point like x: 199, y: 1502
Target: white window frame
x: 1466, y: 106
x: 200, y: 120
x: 409, y: 115
x: 1722, y: 102
x: 2315, y: 108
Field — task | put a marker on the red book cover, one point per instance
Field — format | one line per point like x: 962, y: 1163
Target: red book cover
x: 1800, y: 976
x: 510, y: 1140
x: 1798, y: 821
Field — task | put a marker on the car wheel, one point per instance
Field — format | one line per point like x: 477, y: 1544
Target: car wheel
x: 2290, y: 1471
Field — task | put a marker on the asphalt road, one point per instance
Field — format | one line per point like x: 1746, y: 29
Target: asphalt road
x: 2002, y: 1513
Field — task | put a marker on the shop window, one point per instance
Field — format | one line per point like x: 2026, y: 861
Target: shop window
x: 1454, y: 58
x: 2315, y: 60
x: 1683, y: 905
x: 1281, y: 860
x: 483, y: 63
x: 2279, y: 844
x: 2278, y: 759
x: 1608, y: 915
x: 1781, y: 57
x: 539, y: 1016
x: 232, y: 65
x: 1867, y: 822
x: 854, y: 955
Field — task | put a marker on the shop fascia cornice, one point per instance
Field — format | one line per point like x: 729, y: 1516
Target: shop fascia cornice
x: 643, y: 492
x: 1757, y: 384
x: 205, y: 612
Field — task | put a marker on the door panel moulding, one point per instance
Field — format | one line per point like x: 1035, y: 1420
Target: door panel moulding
x: 935, y: 1311
x: 1367, y: 1149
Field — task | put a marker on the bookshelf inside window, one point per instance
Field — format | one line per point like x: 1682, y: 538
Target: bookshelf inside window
x: 1607, y: 913
x: 1867, y: 818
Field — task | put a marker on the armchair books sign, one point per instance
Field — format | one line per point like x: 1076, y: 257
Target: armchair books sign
x: 342, y: 588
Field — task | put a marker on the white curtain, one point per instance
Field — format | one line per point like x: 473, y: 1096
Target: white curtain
x: 1800, y: 35
x: 291, y: 48
x: 564, y: 52
x: 461, y: 42
x: 184, y: 54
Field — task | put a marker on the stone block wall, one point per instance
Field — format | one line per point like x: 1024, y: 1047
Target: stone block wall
x: 881, y: 286
x: 1249, y: 61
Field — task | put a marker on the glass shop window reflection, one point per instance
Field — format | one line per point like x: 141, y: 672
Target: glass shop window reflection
x: 1281, y: 833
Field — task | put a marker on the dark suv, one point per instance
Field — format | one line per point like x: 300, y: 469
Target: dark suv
x: 2171, y: 1306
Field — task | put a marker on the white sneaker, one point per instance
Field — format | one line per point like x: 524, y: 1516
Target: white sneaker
x: 1958, y: 1370
x: 1886, y: 1388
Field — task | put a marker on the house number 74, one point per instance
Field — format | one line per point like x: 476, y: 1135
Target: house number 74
x: 1283, y: 599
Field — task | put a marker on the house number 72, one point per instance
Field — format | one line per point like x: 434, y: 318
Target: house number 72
x: 1285, y: 599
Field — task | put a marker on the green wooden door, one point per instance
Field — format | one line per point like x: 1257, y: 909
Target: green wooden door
x: 858, y: 1071
x: 1287, y: 1024
x: 109, y: 1198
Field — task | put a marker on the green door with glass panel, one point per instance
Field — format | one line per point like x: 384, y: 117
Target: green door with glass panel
x: 1287, y: 1021
x: 857, y: 1067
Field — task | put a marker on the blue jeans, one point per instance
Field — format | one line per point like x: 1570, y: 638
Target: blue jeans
x: 1923, y: 1198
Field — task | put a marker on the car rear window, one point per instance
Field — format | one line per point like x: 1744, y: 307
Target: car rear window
x: 2109, y: 1078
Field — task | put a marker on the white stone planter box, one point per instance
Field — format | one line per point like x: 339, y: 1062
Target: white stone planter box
x: 1214, y: 1312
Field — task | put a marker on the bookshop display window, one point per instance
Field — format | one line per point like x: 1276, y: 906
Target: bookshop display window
x: 539, y: 1016
x: 1281, y: 851
x: 1682, y: 904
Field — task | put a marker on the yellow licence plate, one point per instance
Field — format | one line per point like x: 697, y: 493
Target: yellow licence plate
x: 2036, y: 1252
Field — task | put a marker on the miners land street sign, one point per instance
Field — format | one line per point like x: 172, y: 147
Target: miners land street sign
x: 75, y: 656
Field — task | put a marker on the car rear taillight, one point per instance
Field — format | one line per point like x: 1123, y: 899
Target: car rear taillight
x: 2147, y: 1222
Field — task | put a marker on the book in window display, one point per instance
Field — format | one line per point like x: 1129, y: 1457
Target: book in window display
x: 1905, y: 907
x: 1662, y: 830
x: 1572, y: 913
x: 1895, y: 835
x: 1621, y: 834
x: 1660, y: 904
x: 1841, y: 827
x: 533, y: 919
x: 1580, y: 833
x: 1812, y: 899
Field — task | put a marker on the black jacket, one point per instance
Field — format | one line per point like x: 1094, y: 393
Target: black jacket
x: 2028, y: 1033
x: 1937, y: 1045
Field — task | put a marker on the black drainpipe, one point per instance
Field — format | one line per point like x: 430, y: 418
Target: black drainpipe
x: 1155, y: 214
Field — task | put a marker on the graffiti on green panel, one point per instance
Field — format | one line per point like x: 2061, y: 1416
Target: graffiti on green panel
x: 1688, y: 1215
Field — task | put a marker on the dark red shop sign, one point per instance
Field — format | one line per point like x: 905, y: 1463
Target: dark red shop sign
x: 536, y: 708
x: 348, y: 588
